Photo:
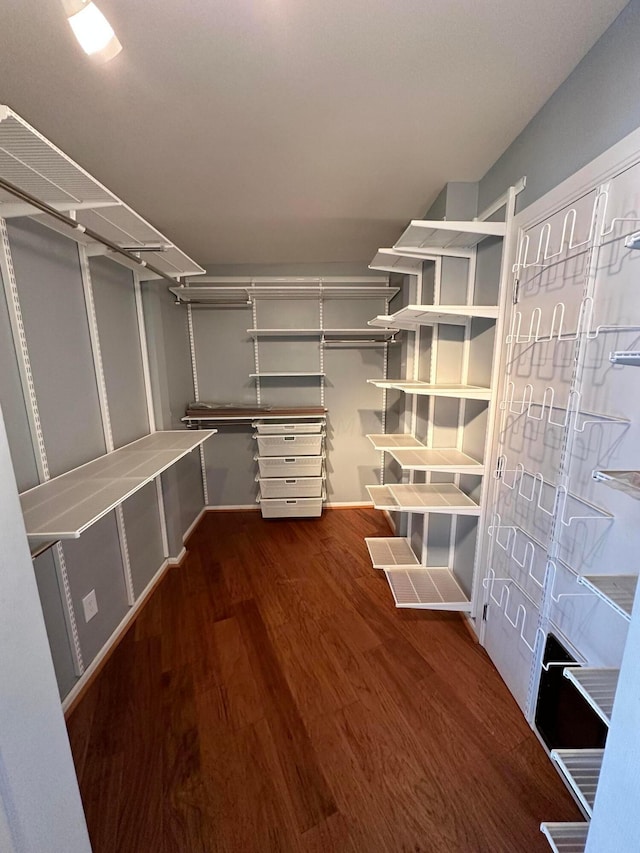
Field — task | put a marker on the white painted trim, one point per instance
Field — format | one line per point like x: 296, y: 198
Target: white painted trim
x: 346, y: 504
x: 196, y: 521
x: 227, y: 507
x: 113, y: 640
x: 175, y: 561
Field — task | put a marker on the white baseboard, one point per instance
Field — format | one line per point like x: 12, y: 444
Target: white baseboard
x: 96, y: 664
x: 230, y: 507
x: 175, y: 561
x: 194, y: 524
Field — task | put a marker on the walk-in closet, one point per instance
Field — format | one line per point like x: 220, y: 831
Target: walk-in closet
x: 319, y: 427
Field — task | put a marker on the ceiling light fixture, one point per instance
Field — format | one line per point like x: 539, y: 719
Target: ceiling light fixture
x: 92, y: 30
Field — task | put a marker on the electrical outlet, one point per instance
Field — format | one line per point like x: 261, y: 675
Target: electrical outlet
x: 90, y: 605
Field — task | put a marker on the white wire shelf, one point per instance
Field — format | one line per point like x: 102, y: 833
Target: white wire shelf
x: 617, y: 590
x: 450, y: 460
x: 392, y: 441
x: 390, y: 551
x: 31, y: 162
x: 246, y: 293
x: 64, y: 507
x: 581, y: 768
x: 389, y: 260
x: 624, y: 481
x: 412, y: 317
x: 430, y: 236
x: 319, y: 333
x: 457, y: 390
x: 424, y: 588
x: 287, y: 374
x: 597, y: 685
x: 628, y: 357
x: 423, y: 497
x: 566, y: 837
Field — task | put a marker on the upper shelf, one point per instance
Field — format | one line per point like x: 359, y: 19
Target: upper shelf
x: 318, y: 333
x: 212, y: 413
x: 412, y: 316
x: 35, y: 165
x: 451, y: 460
x: 617, y: 590
x: 389, y: 260
x: 459, y: 391
x: 64, y: 507
x: 390, y: 441
x: 244, y: 291
x: 433, y: 236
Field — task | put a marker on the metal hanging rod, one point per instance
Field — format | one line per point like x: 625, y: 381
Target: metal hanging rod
x: 77, y: 226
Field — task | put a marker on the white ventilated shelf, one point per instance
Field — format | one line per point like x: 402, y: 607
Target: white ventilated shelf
x: 277, y: 375
x: 581, y: 768
x: 390, y: 260
x: 31, y: 162
x: 202, y: 294
x: 413, y: 316
x: 429, y: 236
x: 617, y: 590
x: 66, y: 506
x: 426, y: 588
x: 392, y: 441
x: 390, y: 551
x: 459, y: 391
x: 628, y: 357
x: 625, y: 481
x: 566, y: 837
x: 423, y: 497
x: 450, y: 460
x: 318, y: 333
x: 597, y: 685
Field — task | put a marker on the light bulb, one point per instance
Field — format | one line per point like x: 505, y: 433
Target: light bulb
x: 94, y: 33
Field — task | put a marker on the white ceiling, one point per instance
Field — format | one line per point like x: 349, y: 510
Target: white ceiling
x: 270, y: 131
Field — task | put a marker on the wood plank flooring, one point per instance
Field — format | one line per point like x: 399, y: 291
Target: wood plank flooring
x: 270, y: 698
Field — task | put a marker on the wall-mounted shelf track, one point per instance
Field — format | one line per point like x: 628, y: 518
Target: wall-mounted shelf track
x: 456, y: 390
x: 423, y: 498
x: 431, y: 236
x: 581, y: 768
x: 64, y: 507
x: 424, y: 588
x: 566, y: 837
x: 617, y: 590
x: 390, y: 551
x: 597, y: 685
x: 392, y: 441
x: 451, y: 460
x: 412, y: 317
x: 624, y: 481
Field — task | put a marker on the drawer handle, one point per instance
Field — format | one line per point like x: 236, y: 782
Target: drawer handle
x: 289, y: 438
x: 291, y: 502
x: 291, y: 482
x: 290, y: 460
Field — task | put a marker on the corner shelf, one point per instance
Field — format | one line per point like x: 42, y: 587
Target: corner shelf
x: 624, y: 481
x: 597, y: 685
x: 450, y: 460
x: 422, y: 588
x: 431, y: 236
x: 412, y: 317
x: 391, y: 441
x: 408, y: 497
x: 617, y: 590
x: 581, y: 768
x: 389, y: 551
x: 64, y: 507
x: 456, y: 390
x: 566, y: 837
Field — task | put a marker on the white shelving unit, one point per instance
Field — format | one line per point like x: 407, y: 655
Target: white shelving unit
x: 411, y: 497
x: 391, y: 441
x: 566, y: 837
x: 581, y: 768
x: 617, y: 590
x: 390, y: 551
x: 435, y: 237
x: 459, y: 391
x: 65, y: 506
x: 450, y: 459
x: 411, y: 317
x: 207, y: 290
x: 597, y: 685
x: 424, y: 588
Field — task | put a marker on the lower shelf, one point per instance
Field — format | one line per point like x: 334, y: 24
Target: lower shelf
x: 598, y: 685
x: 426, y: 588
x: 389, y: 551
x: 566, y: 837
x: 617, y: 590
x: 581, y: 768
x: 408, y: 497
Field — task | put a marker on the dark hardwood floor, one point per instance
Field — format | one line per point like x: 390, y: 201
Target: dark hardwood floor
x: 271, y: 698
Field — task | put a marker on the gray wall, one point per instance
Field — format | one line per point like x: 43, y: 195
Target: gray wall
x: 56, y: 326
x: 596, y: 106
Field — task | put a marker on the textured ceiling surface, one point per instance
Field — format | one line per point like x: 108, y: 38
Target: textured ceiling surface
x: 267, y: 131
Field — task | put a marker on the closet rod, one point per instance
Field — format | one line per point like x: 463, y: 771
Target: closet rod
x: 77, y: 226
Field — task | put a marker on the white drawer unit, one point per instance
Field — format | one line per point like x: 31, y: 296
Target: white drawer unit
x: 290, y: 445
x: 291, y: 468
